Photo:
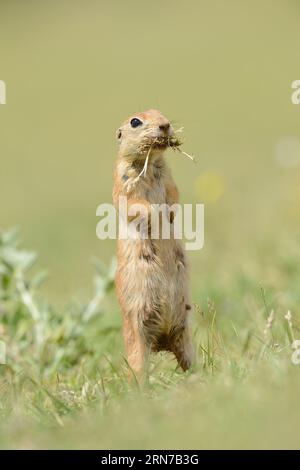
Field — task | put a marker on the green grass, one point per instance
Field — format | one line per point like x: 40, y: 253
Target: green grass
x: 74, y: 71
x: 65, y: 386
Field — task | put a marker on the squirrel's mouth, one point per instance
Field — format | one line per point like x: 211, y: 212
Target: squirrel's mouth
x: 159, y: 143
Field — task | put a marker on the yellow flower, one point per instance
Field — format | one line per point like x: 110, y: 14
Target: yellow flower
x: 210, y: 186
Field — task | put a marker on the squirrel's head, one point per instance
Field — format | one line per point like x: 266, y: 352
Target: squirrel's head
x: 144, y: 132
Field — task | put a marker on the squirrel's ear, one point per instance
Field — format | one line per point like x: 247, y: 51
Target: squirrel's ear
x: 119, y: 134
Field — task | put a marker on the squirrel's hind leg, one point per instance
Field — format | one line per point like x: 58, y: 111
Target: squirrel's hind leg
x: 136, y: 350
x: 184, y: 350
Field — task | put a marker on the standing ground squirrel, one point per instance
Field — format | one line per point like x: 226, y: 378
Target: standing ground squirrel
x: 152, y: 278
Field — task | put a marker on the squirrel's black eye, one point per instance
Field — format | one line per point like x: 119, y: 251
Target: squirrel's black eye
x: 135, y: 122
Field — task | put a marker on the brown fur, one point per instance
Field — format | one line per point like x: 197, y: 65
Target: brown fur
x: 152, y: 277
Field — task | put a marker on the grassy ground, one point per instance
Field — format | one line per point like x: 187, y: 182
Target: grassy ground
x: 74, y: 71
x: 65, y: 383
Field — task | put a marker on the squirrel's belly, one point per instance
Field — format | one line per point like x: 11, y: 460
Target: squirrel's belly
x: 153, y: 288
x: 152, y: 277
x: 154, y: 193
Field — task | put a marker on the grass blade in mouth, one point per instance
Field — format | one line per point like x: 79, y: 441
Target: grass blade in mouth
x: 144, y: 170
x: 174, y: 142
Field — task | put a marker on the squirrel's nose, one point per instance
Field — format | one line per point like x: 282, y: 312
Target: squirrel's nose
x: 165, y: 126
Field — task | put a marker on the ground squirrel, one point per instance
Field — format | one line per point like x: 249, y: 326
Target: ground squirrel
x: 152, y: 274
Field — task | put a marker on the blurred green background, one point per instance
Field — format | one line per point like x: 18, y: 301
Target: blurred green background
x: 75, y: 70
x: 223, y: 70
